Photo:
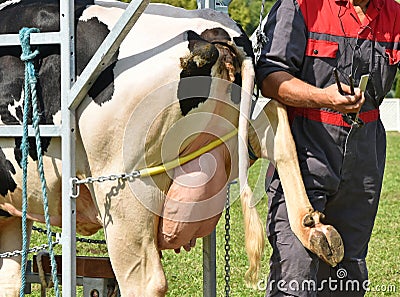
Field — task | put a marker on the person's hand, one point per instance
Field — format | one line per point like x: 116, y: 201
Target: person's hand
x: 344, y: 103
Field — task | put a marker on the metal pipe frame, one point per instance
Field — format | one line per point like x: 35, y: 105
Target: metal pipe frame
x: 16, y: 131
x: 67, y: 32
x: 209, y: 265
x: 71, y: 96
x: 36, y: 38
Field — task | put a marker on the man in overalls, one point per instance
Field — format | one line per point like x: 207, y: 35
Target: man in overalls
x: 341, y: 157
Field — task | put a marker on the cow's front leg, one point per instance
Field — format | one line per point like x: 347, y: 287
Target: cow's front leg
x: 130, y: 233
x: 10, y: 268
x: 305, y: 222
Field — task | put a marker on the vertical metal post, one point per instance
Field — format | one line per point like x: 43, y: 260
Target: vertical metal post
x: 218, y: 5
x: 209, y: 242
x: 209, y: 4
x: 67, y: 21
x: 205, y: 4
x: 209, y: 266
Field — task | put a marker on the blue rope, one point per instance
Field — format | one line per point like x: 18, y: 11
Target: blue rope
x: 30, y: 93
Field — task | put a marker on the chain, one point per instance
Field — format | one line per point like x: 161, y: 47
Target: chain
x: 90, y: 180
x: 88, y: 240
x: 41, y: 230
x: 261, y: 39
x: 227, y: 239
x: 111, y: 177
x: 35, y: 249
x: 79, y: 239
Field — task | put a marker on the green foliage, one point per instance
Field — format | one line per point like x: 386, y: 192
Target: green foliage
x: 383, y: 257
x: 187, y: 4
x: 396, y: 85
x: 245, y: 12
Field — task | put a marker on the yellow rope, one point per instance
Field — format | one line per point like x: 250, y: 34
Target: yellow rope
x: 182, y: 160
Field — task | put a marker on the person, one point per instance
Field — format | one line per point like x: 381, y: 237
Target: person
x: 341, y: 158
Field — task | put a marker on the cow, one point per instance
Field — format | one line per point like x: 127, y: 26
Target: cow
x: 179, y: 80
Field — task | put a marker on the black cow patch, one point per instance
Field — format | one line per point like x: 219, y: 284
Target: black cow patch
x: 10, y: 87
x: 202, y: 57
x: 215, y: 35
x: 7, y: 183
x: 44, y: 14
x: 244, y: 42
x: 4, y: 213
x: 236, y: 89
x: 86, y: 46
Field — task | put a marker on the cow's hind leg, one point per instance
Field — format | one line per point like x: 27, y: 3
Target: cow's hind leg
x: 10, y: 268
x: 130, y: 233
x: 305, y: 222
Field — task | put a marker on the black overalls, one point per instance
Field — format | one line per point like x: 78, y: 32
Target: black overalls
x: 342, y: 166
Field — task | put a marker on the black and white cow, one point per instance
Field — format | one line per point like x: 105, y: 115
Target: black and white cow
x: 172, y: 88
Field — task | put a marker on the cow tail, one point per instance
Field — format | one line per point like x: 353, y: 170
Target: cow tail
x: 254, y: 230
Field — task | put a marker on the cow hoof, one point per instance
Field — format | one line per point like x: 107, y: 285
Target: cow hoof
x: 324, y: 240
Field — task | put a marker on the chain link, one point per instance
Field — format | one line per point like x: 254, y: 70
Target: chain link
x: 35, y: 249
x: 78, y: 239
x: 75, y: 182
x: 41, y: 230
x: 88, y: 240
x: 90, y: 180
x: 111, y: 177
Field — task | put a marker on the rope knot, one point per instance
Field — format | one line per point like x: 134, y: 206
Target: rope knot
x: 25, y: 39
x: 31, y: 100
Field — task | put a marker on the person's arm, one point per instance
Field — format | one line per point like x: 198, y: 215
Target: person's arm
x: 283, y: 55
x: 287, y: 89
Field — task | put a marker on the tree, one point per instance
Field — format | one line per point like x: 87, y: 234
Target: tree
x: 245, y: 12
x: 187, y: 4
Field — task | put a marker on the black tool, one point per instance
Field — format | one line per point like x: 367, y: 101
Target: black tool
x: 353, y: 118
x: 350, y: 118
x: 339, y: 86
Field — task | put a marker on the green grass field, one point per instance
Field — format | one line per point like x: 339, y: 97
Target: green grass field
x: 184, y: 270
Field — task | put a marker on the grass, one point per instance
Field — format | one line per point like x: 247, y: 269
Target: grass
x: 184, y: 270
x: 383, y: 258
